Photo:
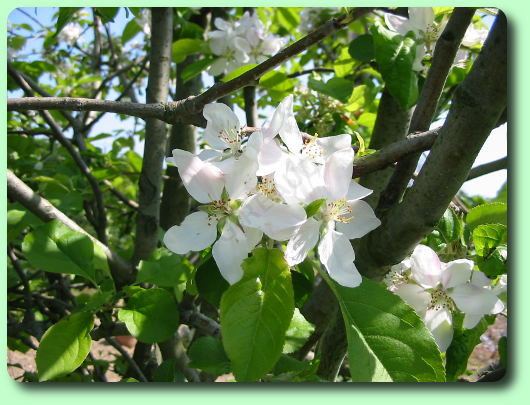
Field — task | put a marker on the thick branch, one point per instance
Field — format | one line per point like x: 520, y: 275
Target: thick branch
x: 443, y: 57
x: 391, y: 125
x: 394, y: 152
x: 479, y: 101
x: 17, y: 190
x: 144, y: 111
x: 148, y: 219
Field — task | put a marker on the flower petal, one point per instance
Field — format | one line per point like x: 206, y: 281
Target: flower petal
x: 356, y: 191
x: 456, y: 272
x: 283, y: 123
x: 337, y: 256
x: 470, y: 321
x: 304, y: 239
x: 338, y: 171
x: 397, y: 23
x: 218, y: 66
x: 230, y: 251
x: 298, y: 180
x: 426, y: 266
x: 474, y: 300
x: 479, y: 279
x: 203, y: 181
x: 270, y: 157
x: 253, y: 236
x: 195, y: 233
x: 414, y: 295
x: 332, y: 144
x: 363, y: 220
x: 278, y: 221
x: 420, y: 18
x: 219, y: 119
x: 440, y: 323
x: 242, y: 178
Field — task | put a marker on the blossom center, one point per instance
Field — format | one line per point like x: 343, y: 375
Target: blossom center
x: 233, y: 138
x: 218, y: 209
x: 439, y: 300
x: 312, y: 149
x: 396, y: 277
x: 431, y: 33
x: 338, y: 211
x: 267, y: 187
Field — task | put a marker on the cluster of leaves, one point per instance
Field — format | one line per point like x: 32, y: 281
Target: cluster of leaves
x: 60, y: 289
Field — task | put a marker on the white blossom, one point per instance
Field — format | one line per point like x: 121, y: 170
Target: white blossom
x: 436, y: 289
x: 241, y: 42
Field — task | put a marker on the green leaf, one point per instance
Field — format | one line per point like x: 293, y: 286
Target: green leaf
x: 450, y: 226
x: 56, y: 248
x: 129, y: 32
x: 314, y: 207
x: 493, y: 213
x: 395, y: 56
x: 344, y: 64
x: 462, y: 345
x: 387, y: 341
x: 275, y: 80
x: 184, y: 47
x: 255, y: 314
x: 195, y: 68
x: 298, y: 333
x: 362, y: 48
x: 107, y: 14
x: 359, y: 98
x: 150, y: 315
x: 238, y: 72
x: 336, y: 87
x: 288, y: 17
x: 488, y: 237
x: 495, y: 264
x: 207, y: 354
x: 64, y: 346
x: 167, y: 270
x: 17, y: 221
x: 65, y: 15
x: 210, y: 284
x: 167, y: 372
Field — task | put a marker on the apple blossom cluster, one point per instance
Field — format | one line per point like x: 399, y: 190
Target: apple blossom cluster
x: 422, y: 24
x: 241, y: 42
x: 273, y: 187
x: 436, y: 290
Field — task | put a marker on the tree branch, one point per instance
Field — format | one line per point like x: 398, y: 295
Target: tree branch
x: 318, y: 69
x: 17, y: 190
x: 101, y: 218
x: 479, y: 101
x: 487, y: 168
x: 188, y: 110
x: 442, y: 61
x: 391, y: 125
x: 148, y: 218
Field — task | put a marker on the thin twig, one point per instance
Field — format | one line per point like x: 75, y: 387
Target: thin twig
x: 127, y: 358
x: 101, y: 224
x: 487, y: 168
x: 318, y: 69
x: 188, y: 110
